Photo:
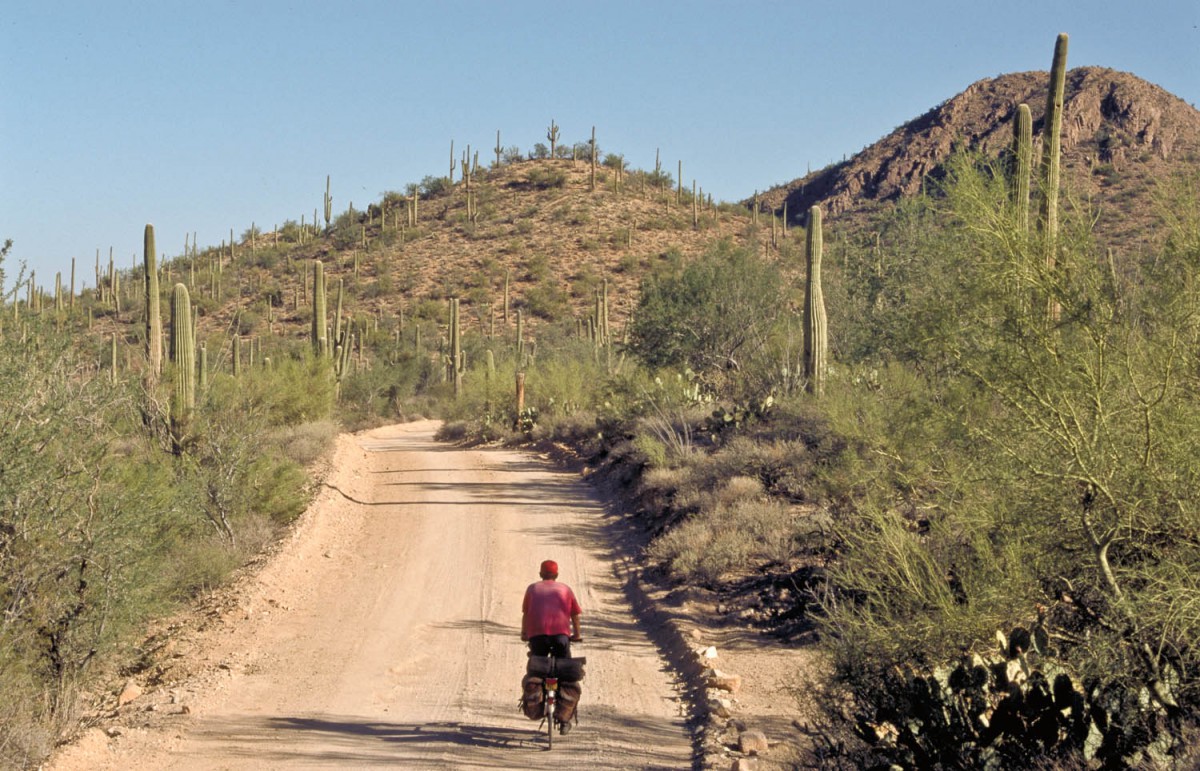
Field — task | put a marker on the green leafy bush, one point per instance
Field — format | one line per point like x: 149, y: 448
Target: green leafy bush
x: 1030, y: 457
x: 547, y: 299
x: 714, y: 317
x: 547, y: 177
x: 733, y: 528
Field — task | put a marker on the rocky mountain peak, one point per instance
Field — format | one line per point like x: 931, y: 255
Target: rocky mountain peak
x: 1120, y: 133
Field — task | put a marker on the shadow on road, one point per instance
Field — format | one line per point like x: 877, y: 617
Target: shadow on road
x: 482, y: 625
x: 360, y: 742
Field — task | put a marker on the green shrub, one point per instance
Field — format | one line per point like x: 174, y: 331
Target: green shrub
x: 547, y: 177
x: 614, y: 160
x: 1019, y: 466
x: 306, y: 442
x: 277, y: 489
x: 432, y: 187
x: 654, y: 451
x: 266, y: 258
x: 248, y: 322
x: 537, y: 268
x: 738, y: 529
x: 715, y: 318
x: 547, y: 300
x: 629, y: 263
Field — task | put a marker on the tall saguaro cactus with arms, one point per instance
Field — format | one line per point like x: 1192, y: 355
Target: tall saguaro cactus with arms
x: 552, y: 135
x: 328, y: 204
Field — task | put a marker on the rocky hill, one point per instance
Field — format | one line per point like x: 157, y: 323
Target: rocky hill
x: 543, y: 228
x: 536, y: 229
x: 1120, y: 135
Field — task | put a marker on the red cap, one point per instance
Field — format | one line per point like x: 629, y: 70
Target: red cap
x: 549, y: 568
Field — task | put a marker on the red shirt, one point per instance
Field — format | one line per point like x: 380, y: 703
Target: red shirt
x: 547, y: 608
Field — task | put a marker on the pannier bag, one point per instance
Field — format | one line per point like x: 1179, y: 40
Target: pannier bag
x: 531, y: 697
x: 564, y: 669
x: 568, y: 700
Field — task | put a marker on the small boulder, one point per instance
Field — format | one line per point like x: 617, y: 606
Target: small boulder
x: 724, y: 681
x: 744, y: 764
x: 752, y: 742
x: 721, y: 707
x: 130, y: 692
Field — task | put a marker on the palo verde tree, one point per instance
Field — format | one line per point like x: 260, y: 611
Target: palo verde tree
x: 1036, y: 474
x: 715, y: 317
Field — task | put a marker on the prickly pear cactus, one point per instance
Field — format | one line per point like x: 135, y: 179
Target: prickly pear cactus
x: 1013, y: 707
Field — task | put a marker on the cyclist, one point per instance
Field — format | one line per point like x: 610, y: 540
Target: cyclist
x: 550, y: 615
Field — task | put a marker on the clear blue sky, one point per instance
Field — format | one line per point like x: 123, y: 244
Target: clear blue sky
x: 209, y: 115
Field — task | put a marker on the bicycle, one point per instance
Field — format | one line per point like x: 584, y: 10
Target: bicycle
x: 551, y: 669
x: 550, y: 703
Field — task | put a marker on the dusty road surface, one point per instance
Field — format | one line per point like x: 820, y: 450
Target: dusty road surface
x: 385, y: 633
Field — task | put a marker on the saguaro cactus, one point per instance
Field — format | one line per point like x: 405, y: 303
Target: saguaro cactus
x: 605, y: 330
x: 1022, y: 152
x: 153, y: 311
x: 552, y: 135
x: 455, y: 347
x: 593, y: 174
x: 1051, y: 156
x: 328, y: 204
x: 507, y: 277
x: 183, y: 357
x: 520, y: 338
x: 816, y: 342
x: 319, y: 341
x: 337, y: 314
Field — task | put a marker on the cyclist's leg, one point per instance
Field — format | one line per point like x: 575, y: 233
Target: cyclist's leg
x: 540, y: 645
x: 546, y: 644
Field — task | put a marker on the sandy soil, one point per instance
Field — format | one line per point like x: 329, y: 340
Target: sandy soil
x: 384, y: 633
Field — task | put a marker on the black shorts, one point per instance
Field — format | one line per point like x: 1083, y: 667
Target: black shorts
x: 546, y: 644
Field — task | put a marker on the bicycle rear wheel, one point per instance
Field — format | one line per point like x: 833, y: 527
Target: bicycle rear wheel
x: 550, y: 709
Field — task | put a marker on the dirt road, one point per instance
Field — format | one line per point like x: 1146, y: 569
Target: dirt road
x: 385, y: 632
